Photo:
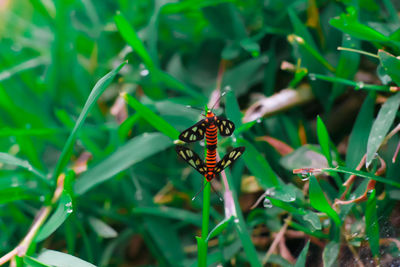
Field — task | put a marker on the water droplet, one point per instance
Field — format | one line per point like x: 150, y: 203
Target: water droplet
x: 305, y: 176
x: 202, y: 143
x: 291, y: 199
x: 234, y: 139
x: 259, y: 120
x: 42, y: 198
x: 69, y: 210
x: 312, y: 77
x: 144, y: 72
x: 69, y: 204
x: 360, y: 85
x: 226, y: 89
x: 267, y: 203
x: 348, y: 37
x: 30, y: 168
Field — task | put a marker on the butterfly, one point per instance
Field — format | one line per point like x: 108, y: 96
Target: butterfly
x: 208, y: 169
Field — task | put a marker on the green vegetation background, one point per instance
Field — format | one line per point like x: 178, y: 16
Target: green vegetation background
x: 94, y: 93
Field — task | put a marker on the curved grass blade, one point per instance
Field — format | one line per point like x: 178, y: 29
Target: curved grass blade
x: 156, y: 121
x: 381, y: 126
x: 14, y: 161
x: 301, y: 260
x: 136, y: 150
x: 319, y: 202
x: 219, y: 228
x: 330, y: 254
x: 98, y: 89
x: 64, y: 209
x: 56, y: 258
x: 323, y: 139
x: 102, y: 229
x: 371, y: 224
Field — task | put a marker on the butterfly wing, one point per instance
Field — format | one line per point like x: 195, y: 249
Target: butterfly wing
x: 191, y: 158
x: 225, y: 127
x: 228, y: 159
x: 194, y: 133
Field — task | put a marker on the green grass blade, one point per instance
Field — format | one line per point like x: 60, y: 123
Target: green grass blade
x: 324, y: 141
x: 371, y: 224
x: 156, y: 121
x: 330, y: 254
x: 391, y: 64
x: 136, y: 150
x: 98, y: 89
x: 32, y: 262
x: 168, y: 212
x: 14, y: 161
x: 219, y: 228
x: 64, y: 209
x: 102, y: 229
x: 381, y: 125
x: 301, y: 260
x: 131, y: 37
x: 318, y: 201
x: 56, y: 258
x: 258, y: 165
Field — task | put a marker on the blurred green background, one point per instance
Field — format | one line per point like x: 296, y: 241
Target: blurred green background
x: 93, y: 95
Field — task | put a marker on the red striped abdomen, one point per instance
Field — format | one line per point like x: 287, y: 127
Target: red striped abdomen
x: 211, y: 158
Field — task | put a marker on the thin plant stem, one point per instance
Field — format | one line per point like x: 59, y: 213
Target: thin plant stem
x: 41, y: 217
x: 202, y: 253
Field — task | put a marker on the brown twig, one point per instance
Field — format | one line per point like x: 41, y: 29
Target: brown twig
x: 40, y: 218
x: 277, y: 239
x: 371, y: 184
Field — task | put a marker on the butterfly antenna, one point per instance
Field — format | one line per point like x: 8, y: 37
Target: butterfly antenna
x: 204, y: 184
x: 216, y: 192
x: 219, y: 98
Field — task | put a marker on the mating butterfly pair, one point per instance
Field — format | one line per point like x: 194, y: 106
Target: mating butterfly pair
x: 209, y: 128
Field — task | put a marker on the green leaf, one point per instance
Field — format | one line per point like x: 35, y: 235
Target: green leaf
x: 64, y: 209
x: 371, y: 224
x: 132, y: 38
x: 324, y: 141
x: 364, y: 175
x: 330, y: 254
x: 32, y: 262
x: 391, y: 64
x: 98, y: 89
x: 359, y: 135
x: 258, y: 165
x: 156, y: 121
x: 219, y: 228
x: 59, y: 259
x: 319, y: 202
x: 348, y: 23
x: 313, y: 219
x: 102, y: 229
x: 301, y: 260
x: 381, y: 125
x: 14, y: 161
x: 134, y: 151
x: 232, y: 109
x: 169, y: 212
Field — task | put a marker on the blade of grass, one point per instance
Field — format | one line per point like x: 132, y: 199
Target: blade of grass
x: 381, y: 126
x: 301, y: 260
x: 156, y: 121
x: 371, y: 224
x: 62, y: 212
x: 318, y: 201
x: 14, y: 161
x: 134, y: 151
x: 98, y: 89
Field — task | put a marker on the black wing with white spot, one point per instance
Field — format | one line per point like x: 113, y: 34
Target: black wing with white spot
x: 225, y: 127
x: 191, y: 158
x: 194, y: 133
x: 228, y: 159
